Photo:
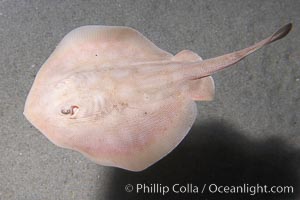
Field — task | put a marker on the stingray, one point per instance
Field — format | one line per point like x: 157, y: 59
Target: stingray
x: 114, y: 96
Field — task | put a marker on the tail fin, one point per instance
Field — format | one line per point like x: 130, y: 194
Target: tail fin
x: 282, y: 32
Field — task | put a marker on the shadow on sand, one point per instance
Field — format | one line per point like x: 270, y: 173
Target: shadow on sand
x: 215, y: 153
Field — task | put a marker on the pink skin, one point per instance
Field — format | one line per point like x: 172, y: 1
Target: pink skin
x: 111, y: 94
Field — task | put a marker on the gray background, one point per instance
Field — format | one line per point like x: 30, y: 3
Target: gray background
x: 248, y: 134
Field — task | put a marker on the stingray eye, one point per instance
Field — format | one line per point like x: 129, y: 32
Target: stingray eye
x: 69, y: 111
x: 65, y: 111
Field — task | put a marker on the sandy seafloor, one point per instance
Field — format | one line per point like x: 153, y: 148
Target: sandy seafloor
x: 250, y: 133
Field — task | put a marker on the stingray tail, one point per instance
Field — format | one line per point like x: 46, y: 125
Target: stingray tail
x: 211, y: 66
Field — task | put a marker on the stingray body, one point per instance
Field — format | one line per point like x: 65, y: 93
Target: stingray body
x: 111, y: 94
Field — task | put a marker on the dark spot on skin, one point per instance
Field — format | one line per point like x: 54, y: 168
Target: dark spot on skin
x: 124, y: 104
x: 96, y: 54
x: 145, y: 113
